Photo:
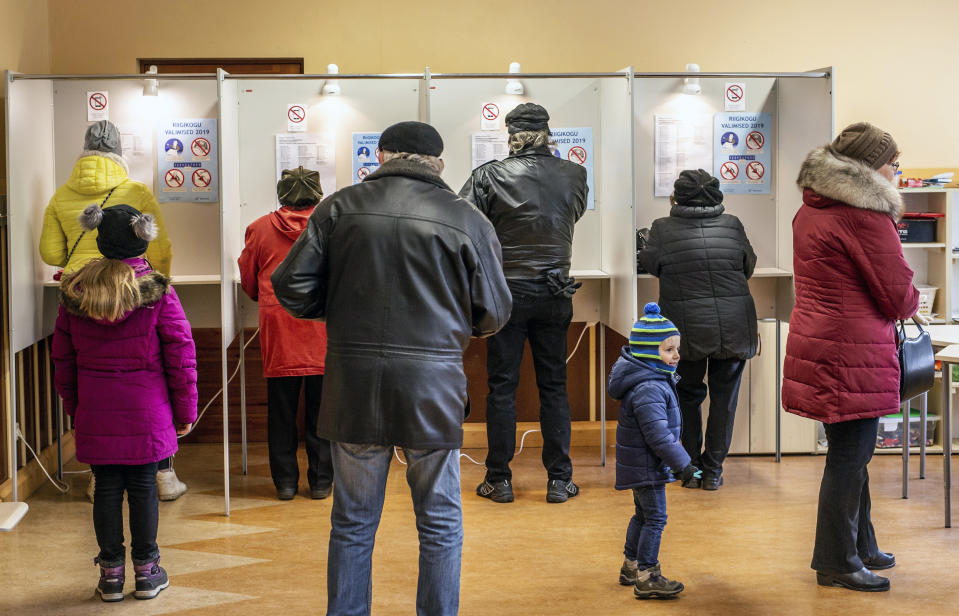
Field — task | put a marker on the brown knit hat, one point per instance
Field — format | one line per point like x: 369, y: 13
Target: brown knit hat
x: 299, y: 188
x: 867, y: 143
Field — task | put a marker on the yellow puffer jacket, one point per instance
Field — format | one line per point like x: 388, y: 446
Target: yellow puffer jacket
x: 94, y: 174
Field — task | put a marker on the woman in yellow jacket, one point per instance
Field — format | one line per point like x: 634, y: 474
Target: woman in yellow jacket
x: 100, y: 177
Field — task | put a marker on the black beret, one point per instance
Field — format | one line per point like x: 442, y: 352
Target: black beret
x: 412, y: 137
x: 697, y: 188
x: 527, y: 116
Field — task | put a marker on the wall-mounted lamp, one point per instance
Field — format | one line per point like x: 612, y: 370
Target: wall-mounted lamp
x: 691, y: 84
x: 514, y: 86
x: 331, y: 87
x: 152, y: 86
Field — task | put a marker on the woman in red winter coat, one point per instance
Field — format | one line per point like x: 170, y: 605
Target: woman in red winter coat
x: 294, y: 350
x: 841, y: 367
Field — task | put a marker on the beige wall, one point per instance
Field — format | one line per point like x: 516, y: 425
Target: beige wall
x: 24, y: 37
x: 874, y: 44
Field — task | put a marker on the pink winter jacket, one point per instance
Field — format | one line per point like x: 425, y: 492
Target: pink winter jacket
x: 126, y: 382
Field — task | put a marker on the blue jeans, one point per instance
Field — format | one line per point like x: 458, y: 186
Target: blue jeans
x: 646, y: 526
x: 358, y: 493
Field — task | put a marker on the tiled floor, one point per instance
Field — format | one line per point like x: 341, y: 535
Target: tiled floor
x: 744, y: 550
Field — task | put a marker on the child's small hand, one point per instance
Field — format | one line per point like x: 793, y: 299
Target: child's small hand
x: 183, y: 429
x: 689, y: 472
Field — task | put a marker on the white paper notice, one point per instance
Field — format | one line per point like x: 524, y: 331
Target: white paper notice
x: 296, y: 118
x: 311, y: 151
x: 489, y: 145
x: 734, y: 96
x: 137, y: 145
x: 98, y: 106
x: 681, y: 142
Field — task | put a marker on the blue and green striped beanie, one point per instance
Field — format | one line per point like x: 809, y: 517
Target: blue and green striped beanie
x: 651, y: 329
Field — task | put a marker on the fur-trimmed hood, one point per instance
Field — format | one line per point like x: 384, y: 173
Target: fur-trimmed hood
x: 153, y: 286
x: 850, y: 181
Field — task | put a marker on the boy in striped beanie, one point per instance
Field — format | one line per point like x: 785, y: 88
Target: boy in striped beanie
x: 647, y: 336
x: 648, y: 451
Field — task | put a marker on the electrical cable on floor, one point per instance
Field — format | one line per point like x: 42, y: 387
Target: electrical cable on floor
x: 217, y: 394
x: 61, y: 487
x: 522, y: 438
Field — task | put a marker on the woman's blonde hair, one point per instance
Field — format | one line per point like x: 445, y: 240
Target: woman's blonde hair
x: 523, y: 139
x: 104, y: 289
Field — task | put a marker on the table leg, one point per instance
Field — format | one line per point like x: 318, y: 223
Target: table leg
x: 923, y: 414
x: 947, y: 439
x: 905, y: 449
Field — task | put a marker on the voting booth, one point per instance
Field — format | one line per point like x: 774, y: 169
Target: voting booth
x: 169, y: 134
x: 752, y: 131
x: 211, y: 148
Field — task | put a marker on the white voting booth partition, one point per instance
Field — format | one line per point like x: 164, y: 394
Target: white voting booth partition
x: 47, y: 116
x: 678, y: 128
x: 591, y: 119
x: 290, y: 117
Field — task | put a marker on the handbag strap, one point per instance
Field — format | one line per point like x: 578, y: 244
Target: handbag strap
x: 84, y: 232
x: 902, y: 329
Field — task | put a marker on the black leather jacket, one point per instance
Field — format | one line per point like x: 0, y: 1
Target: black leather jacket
x: 533, y: 199
x: 403, y: 271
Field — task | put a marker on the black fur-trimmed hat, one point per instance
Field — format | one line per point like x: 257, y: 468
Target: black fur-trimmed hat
x: 123, y: 232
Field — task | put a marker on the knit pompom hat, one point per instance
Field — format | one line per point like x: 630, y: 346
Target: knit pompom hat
x: 123, y: 232
x: 651, y: 329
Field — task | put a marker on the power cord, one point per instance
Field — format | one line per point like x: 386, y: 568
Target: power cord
x: 217, y: 394
x: 61, y: 487
x: 522, y: 440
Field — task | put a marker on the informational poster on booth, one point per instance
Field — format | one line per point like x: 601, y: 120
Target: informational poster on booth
x: 187, y: 161
x: 365, y: 149
x: 488, y: 145
x: 681, y: 142
x: 576, y: 146
x: 742, y: 152
x: 313, y: 151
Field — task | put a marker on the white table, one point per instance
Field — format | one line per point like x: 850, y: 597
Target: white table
x: 948, y: 356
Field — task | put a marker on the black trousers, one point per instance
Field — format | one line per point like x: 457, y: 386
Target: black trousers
x: 282, y: 399
x: 844, y: 532
x: 544, y: 321
x: 724, y: 379
x: 140, y: 484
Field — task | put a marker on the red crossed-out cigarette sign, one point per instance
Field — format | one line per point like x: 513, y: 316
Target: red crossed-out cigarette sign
x: 755, y: 170
x: 729, y: 170
x: 201, y: 178
x: 490, y: 111
x: 200, y: 146
x: 755, y: 140
x: 174, y: 178
x: 296, y: 114
x: 577, y: 155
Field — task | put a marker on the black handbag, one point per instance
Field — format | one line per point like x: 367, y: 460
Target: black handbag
x: 917, y: 363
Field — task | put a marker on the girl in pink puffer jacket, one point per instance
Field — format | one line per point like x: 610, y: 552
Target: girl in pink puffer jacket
x: 126, y: 369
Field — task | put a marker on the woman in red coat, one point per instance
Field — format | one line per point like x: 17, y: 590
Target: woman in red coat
x: 294, y: 350
x: 841, y: 367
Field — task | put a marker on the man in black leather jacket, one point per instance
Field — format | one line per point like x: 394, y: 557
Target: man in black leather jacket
x: 404, y: 272
x: 533, y: 199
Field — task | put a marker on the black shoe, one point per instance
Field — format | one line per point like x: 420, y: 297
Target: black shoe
x: 321, y: 492
x: 712, y: 482
x: 496, y: 491
x: 285, y: 493
x: 693, y: 482
x: 558, y: 491
x: 880, y: 561
x: 864, y: 580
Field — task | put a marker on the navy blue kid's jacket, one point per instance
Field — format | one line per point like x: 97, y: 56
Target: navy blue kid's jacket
x: 650, y: 424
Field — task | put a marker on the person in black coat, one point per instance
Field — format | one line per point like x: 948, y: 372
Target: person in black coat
x: 533, y: 200
x: 703, y: 259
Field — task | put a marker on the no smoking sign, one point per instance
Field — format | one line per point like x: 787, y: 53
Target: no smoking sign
x: 729, y: 171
